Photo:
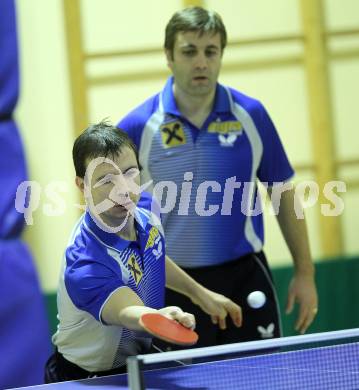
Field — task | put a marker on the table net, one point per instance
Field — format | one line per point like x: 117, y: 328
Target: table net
x: 318, y: 361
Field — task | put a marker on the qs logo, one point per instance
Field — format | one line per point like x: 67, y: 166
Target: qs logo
x: 173, y: 134
x: 114, y: 196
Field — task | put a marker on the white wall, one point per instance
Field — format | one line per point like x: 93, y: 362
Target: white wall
x: 44, y: 118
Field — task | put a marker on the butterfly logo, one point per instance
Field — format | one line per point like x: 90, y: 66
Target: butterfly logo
x: 154, y: 242
x: 227, y: 140
x: 266, y: 333
x: 158, y: 251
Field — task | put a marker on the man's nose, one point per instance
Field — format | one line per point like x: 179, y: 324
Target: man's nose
x: 121, y: 185
x: 201, y: 61
x: 126, y: 185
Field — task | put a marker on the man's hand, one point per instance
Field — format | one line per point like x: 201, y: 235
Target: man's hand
x: 218, y: 307
x: 302, y: 290
x: 176, y: 313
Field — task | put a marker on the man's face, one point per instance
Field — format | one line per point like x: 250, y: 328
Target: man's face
x: 196, y: 62
x: 113, y: 185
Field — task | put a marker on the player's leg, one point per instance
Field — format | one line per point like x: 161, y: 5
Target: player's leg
x: 253, y: 274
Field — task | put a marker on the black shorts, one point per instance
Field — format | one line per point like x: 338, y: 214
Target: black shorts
x: 59, y: 369
x: 234, y: 279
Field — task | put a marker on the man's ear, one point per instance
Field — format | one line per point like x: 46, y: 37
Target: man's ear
x: 169, y: 57
x: 80, y: 183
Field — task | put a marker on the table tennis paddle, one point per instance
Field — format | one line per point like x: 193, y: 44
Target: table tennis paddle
x: 168, y: 330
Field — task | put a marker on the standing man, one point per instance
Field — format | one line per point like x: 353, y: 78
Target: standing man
x: 213, y: 144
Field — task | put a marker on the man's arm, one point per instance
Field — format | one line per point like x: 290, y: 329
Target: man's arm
x: 302, y: 287
x: 216, y: 305
x: 124, y: 308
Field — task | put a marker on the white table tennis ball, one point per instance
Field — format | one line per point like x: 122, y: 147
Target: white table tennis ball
x: 256, y: 299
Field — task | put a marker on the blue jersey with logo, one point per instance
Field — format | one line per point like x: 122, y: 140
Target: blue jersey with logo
x: 206, y: 179
x: 96, y: 264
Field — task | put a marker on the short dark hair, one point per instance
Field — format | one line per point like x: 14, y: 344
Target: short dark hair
x: 194, y: 19
x: 99, y: 140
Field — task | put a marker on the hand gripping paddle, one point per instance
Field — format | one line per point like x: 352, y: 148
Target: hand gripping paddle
x: 168, y: 330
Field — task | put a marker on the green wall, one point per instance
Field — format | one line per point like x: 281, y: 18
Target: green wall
x: 338, y: 288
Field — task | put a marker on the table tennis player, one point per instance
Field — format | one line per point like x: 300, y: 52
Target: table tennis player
x: 115, y: 269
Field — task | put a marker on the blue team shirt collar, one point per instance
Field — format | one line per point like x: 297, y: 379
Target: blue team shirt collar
x: 112, y: 239
x: 221, y: 103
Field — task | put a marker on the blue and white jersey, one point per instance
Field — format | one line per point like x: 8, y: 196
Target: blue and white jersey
x: 206, y: 179
x: 96, y: 264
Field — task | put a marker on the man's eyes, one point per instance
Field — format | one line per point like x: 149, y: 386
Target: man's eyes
x: 211, y: 53
x: 105, y: 180
x: 111, y: 178
x: 191, y: 53
x: 132, y: 172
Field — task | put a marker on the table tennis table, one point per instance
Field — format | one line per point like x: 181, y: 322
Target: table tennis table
x: 268, y: 367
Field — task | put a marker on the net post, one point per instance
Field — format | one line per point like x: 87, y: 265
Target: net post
x: 134, y: 373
